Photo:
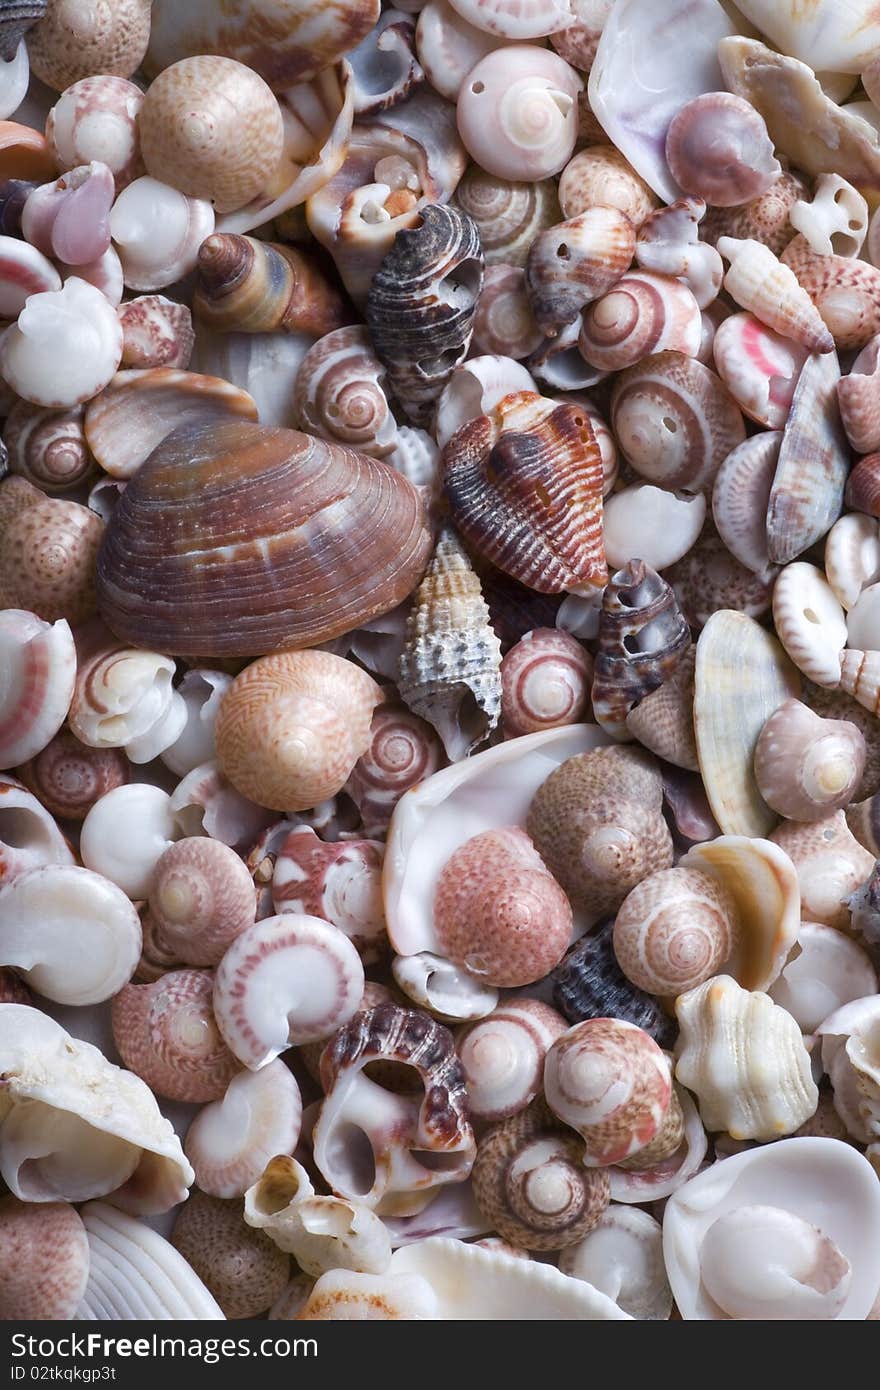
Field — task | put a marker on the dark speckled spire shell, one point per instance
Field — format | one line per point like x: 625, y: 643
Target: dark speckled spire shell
x: 589, y: 983
x: 16, y: 17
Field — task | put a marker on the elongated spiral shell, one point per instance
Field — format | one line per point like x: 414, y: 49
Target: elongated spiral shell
x: 250, y: 286
x: 340, y: 393
x: 641, y: 314
x: 48, y: 447
x: 508, y: 214
x: 674, y: 930
x: 403, y: 751
x: 642, y: 638
x: 545, y: 682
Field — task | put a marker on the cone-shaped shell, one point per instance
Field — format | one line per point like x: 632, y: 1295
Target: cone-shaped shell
x: 663, y: 720
x: 234, y: 540
x: 742, y: 676
x: 450, y: 666
x: 763, y: 285
x: 524, y: 484
x: 250, y: 286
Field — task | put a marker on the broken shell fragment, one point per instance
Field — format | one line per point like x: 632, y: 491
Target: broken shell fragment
x: 717, y: 147
x: 836, y: 221
x: 231, y: 1140
x: 759, y: 367
x: 29, y: 836
x: 340, y: 883
x: 449, y: 993
x: 39, y: 664
x: 79, y: 327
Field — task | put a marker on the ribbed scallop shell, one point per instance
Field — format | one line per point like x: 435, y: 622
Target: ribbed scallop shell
x: 48, y: 447
x: 421, y: 304
x: 134, y: 1273
x: 508, y: 215
x: 642, y: 638
x: 531, y: 1184
x: 674, y: 930
x: 742, y: 676
x: 575, y: 262
x: 806, y: 766
x: 403, y: 751
x: 340, y: 393
x: 254, y: 505
x: 640, y: 315
x: 450, y: 667
x: 845, y: 292
x: 663, y: 720
x: 524, y: 485
x: 166, y: 1034
x: 156, y: 332
x: 858, y: 397
x: 717, y: 147
x: 743, y: 1058
x: 589, y: 983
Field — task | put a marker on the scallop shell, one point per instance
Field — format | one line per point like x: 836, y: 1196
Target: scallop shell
x: 717, y: 148
x: 187, y: 486
x: 517, y: 112
x: 642, y: 638
x: 76, y: 38
x: 134, y: 1273
x: 806, y: 766
x: 575, y: 262
x: 743, y: 1058
x: 250, y: 286
x: 742, y: 676
x: 641, y: 314
x: 845, y: 291
x: 508, y: 214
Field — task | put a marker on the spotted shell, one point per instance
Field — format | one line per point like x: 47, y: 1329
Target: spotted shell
x: 831, y: 864
x: 765, y: 218
x: 243, y: 1269
x: 48, y: 547
x: 340, y: 393
x: 709, y: 579
x: 636, y: 600
x: 45, y: 1253
x: 663, y: 720
x: 77, y: 38
x: 166, y: 1034
x: 68, y: 777
x: 806, y: 766
x: 600, y: 176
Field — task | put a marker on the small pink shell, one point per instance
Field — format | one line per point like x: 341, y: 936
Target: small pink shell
x: 858, y: 396
x: 70, y: 218
x: 44, y: 1255
x: 96, y: 118
x: 201, y: 898
x: 403, y: 751
x: 518, y: 112
x: 341, y: 883
x: 156, y: 332
x: 545, y: 682
x: 38, y: 664
x: 504, y: 323
x: 718, y: 148
x: 166, y: 1034
x: 760, y: 368
x: 69, y: 777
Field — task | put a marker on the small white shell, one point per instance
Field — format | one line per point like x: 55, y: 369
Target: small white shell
x: 14, y: 79
x: 836, y: 221
x: 863, y: 620
x: 29, y: 836
x: 125, y: 699
x: 852, y: 556
x: 651, y: 524
x: 38, y: 661
x: 449, y: 47
x: 134, y: 1273
x: 517, y: 19
x: 434, y: 983
x: 158, y: 232
x: 830, y: 970
x: 810, y: 622
x: 474, y: 388
x: 623, y: 1257
x: 126, y: 832
x: 201, y: 691
x: 77, y: 327
x: 517, y: 112
x: 231, y: 1140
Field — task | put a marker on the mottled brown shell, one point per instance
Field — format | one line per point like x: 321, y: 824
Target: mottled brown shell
x: 642, y: 638
x: 242, y: 1267
x: 250, y: 286
x: 575, y: 262
x: 237, y: 540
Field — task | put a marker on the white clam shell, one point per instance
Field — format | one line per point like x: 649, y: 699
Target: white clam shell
x: 29, y: 836
x: 651, y: 524
x: 474, y: 388
x: 822, y: 1181
x: 126, y: 832
x: 830, y: 970
x: 434, y: 983
x: 201, y: 691
x: 38, y: 666
x: 623, y: 1257
x: 158, y: 231
x: 852, y: 556
x: 135, y: 1274
x: 810, y: 622
x: 72, y: 934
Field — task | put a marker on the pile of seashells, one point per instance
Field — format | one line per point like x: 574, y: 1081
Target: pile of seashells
x: 440, y: 659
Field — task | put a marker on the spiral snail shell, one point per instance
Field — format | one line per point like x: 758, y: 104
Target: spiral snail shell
x: 157, y: 232
x: 517, y: 112
x: 403, y: 751
x: 69, y: 777
x: 674, y: 930
x: 166, y: 1034
x: 504, y: 323
x: 341, y: 883
x: 508, y: 214
x: 805, y: 766
x: 48, y: 547
x: 96, y: 118
x: 250, y: 286
x: 575, y: 262
x: 717, y: 147
x: 545, y: 682
x: 340, y: 393
x: 201, y: 897
x: 76, y: 38
x: 243, y: 1269
x: 641, y: 314
x: 502, y: 1056
x: 48, y: 447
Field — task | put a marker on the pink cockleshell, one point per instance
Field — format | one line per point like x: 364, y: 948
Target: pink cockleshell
x: 156, y: 332
x: 38, y: 664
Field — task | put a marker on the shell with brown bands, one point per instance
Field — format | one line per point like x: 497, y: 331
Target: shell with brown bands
x: 421, y: 305
x: 575, y: 262
x: 250, y: 286
x: 642, y: 638
x: 237, y: 540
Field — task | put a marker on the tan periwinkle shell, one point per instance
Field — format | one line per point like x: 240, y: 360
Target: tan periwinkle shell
x: 48, y: 547
x: 78, y: 38
x: 597, y: 823
x: 743, y: 1057
x: 830, y: 864
x: 663, y: 720
x: 44, y: 1252
x: 806, y: 766
x: 75, y: 1126
x: 575, y: 262
x: 623, y: 1257
x: 340, y: 393
x: 321, y: 1233
x: 243, y: 501
x: 291, y: 728
x: 674, y: 930
x: 48, y: 447
x: 742, y: 676
x: 509, y: 214
x: 600, y: 176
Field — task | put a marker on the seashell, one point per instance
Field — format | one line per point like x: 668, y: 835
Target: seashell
x: 852, y: 557
x: 83, y: 333
x: 185, y: 486
x: 43, y: 910
x: 341, y: 1295
x: 134, y: 1273
x: 622, y: 1257
x: 611, y: 1082
x: 449, y: 47
x: 767, y: 288
x: 45, y: 1256
x: 810, y: 622
x: 39, y: 665
x: 24, y: 153
x: 545, y: 682
x: 816, y: 135
x: 242, y: 1268
x: 600, y: 176
x: 663, y: 720
x: 433, y: 983
x: 125, y: 699
x: 845, y: 292
x: 340, y: 393
x: 165, y: 1033
x: 739, y: 499
x: 282, y: 42
x: 743, y: 1058
x: 674, y: 930
x: 206, y: 803
x: 248, y: 286
x: 498, y: 913
x: 575, y: 262
x: 157, y: 231
x: 139, y: 409
x: 517, y: 112
x: 124, y: 834
x: 96, y: 118
x: 857, y: 400
x: 516, y: 610
x: 513, y: 19
x: 532, y: 1185
x: 709, y: 578
x: 421, y: 304
x: 503, y: 322
x: 18, y: 17
x: 830, y: 864
x: 806, y: 766
x: 201, y: 690
x: 47, y: 447
x: 473, y: 1283
x: 558, y: 362
x: 340, y: 883
x: 402, y: 1131
x: 156, y: 332
x: 742, y: 675
x: 496, y: 465
x: 760, y: 368
x: 503, y: 1056
x: 69, y: 219
x: 201, y: 898
x: 105, y: 274
x: 816, y: 36
x: 717, y: 148
x: 642, y: 638
x: 29, y: 837
x: 69, y: 777
x: 508, y: 214
x: 836, y: 221
x: 101, y: 1125
x: 24, y: 271
x: 48, y: 548
x: 669, y: 244
x: 849, y: 1057
x: 76, y: 38
x: 860, y: 677
x: 231, y: 1140
x: 830, y: 971
x: 318, y: 708
x: 862, y: 491
x: 577, y: 44
x: 765, y: 218
x: 640, y: 315
x: 403, y: 751
x: 384, y: 65
x: 597, y: 823
x: 684, y: 798
x: 416, y: 456
x: 282, y: 982
x: 632, y: 1184
x: 322, y: 1233
x: 475, y: 388
x: 589, y: 983
x: 861, y: 817
x: 14, y: 193
x: 674, y: 421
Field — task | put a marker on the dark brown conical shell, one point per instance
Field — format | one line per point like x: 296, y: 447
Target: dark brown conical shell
x: 250, y: 286
x: 238, y: 540
x: 524, y: 485
x: 421, y: 305
x: 642, y: 638
x: 16, y: 17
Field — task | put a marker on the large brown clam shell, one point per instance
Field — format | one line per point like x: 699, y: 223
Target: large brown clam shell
x: 238, y: 540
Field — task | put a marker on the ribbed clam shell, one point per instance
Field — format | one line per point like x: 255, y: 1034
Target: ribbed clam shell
x: 806, y: 766
x: 340, y: 393
x: 743, y: 1058
x: 421, y: 304
x: 156, y: 332
x: 674, y: 421
x: 742, y: 676
x: 641, y: 314
x: 663, y: 720
x: 858, y: 397
x: 642, y: 638
x: 845, y: 291
x: 575, y: 262
x: 312, y: 539
x: 809, y: 622
x: 450, y: 667
x: 740, y: 496
x: 807, y: 493
x: 709, y: 578
x: 508, y: 214
x: 601, y: 176
x: 524, y: 485
x: 589, y: 983
x: 134, y: 1273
